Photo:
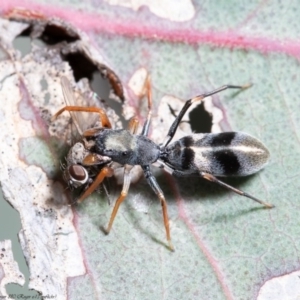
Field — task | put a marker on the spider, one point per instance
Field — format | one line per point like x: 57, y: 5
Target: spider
x: 207, y: 155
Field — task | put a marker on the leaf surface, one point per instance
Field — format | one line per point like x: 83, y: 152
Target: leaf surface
x: 226, y: 246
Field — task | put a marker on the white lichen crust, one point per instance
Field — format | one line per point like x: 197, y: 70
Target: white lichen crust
x: 30, y: 159
x: 9, y: 269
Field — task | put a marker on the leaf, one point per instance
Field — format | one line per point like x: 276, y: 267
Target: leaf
x: 227, y: 247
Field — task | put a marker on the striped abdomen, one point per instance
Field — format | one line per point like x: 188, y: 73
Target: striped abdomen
x: 220, y: 154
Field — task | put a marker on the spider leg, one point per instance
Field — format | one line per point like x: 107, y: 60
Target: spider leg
x: 132, y: 128
x: 123, y: 195
x: 155, y: 187
x: 133, y: 125
x: 212, y: 178
x: 187, y: 105
x: 146, y: 126
x: 92, y: 109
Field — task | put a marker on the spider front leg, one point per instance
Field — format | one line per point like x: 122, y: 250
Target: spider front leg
x: 123, y: 195
x: 187, y: 105
x: 132, y: 128
x: 157, y: 190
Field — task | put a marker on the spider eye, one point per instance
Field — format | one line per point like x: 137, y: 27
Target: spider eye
x: 124, y: 153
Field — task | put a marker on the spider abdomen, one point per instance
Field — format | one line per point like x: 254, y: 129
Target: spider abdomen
x: 220, y: 154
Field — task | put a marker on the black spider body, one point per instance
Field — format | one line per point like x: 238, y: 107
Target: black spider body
x: 208, y: 155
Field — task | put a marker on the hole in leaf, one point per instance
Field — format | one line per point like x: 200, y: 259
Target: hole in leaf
x: 53, y: 34
x: 82, y: 67
x: 26, y: 32
x: 102, y: 87
x: 23, y: 44
x: 200, y: 119
x: 10, y: 225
